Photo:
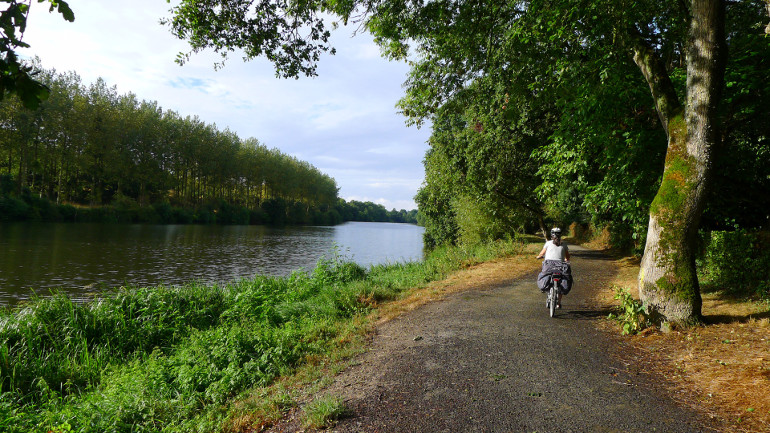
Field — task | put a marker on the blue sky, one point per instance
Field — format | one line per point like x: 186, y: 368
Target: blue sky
x: 344, y: 121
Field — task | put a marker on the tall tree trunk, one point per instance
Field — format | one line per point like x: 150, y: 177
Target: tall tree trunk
x: 543, y: 230
x: 667, y: 281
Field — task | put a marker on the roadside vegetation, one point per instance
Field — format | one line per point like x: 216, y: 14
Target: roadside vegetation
x: 195, y: 357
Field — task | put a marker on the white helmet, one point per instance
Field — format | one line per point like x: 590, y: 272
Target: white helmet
x: 556, y: 232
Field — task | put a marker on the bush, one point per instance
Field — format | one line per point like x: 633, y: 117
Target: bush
x: 183, y: 215
x: 204, y: 216
x: 126, y: 208
x: 103, y: 214
x: 7, y: 184
x: 580, y: 231
x: 258, y: 217
x: 13, y: 209
x: 147, y: 214
x: 631, y: 314
x: 275, y: 210
x: 736, y: 262
x: 68, y: 213
x: 164, y: 211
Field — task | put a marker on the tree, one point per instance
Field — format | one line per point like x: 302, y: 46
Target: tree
x: 15, y: 76
x: 668, y: 279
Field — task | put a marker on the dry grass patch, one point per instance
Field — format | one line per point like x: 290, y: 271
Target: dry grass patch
x: 478, y: 276
x: 722, y: 367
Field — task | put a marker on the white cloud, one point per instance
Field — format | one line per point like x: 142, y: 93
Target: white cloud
x: 367, y: 52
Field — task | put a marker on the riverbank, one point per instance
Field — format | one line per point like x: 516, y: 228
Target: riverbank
x: 188, y: 358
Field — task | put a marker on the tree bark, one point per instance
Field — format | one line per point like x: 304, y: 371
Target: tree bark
x: 668, y: 283
x: 767, y: 6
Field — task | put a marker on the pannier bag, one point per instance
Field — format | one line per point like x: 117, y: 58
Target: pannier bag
x: 546, y: 275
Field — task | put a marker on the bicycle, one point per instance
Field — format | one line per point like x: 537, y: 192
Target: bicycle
x: 553, y: 291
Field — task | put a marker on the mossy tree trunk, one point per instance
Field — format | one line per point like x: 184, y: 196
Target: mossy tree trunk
x: 667, y: 281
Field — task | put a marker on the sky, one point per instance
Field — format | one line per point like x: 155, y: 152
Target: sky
x: 344, y: 121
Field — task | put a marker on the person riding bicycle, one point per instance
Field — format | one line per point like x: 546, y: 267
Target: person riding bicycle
x: 556, y: 256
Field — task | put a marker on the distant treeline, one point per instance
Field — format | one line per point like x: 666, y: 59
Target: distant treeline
x: 276, y: 211
x: 88, y: 154
x: 372, y: 212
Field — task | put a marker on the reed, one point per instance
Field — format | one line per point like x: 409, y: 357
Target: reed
x: 176, y: 358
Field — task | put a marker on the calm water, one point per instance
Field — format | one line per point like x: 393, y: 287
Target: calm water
x: 85, y: 258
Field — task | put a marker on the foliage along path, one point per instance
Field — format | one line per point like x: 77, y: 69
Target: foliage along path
x: 491, y: 360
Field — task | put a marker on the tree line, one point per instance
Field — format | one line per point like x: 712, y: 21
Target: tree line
x: 87, y: 153
x: 87, y: 144
x: 373, y: 212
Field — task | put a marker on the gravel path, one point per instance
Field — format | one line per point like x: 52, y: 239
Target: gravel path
x: 491, y: 360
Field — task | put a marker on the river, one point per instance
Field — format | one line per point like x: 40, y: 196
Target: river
x: 82, y: 259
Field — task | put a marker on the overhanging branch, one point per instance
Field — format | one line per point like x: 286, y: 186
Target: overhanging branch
x: 654, y: 71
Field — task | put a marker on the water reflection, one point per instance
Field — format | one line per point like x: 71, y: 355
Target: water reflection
x: 85, y: 258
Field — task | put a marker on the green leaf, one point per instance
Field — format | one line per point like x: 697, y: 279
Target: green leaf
x: 31, y: 92
x: 63, y: 8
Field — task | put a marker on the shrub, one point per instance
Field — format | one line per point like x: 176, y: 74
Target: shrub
x: 147, y: 214
x: 183, y: 215
x: 126, y: 208
x: 204, y: 216
x: 7, y: 184
x: 736, y: 262
x: 13, y: 209
x: 164, y: 211
x: 632, y: 314
x: 42, y: 209
x: 580, y: 231
x: 68, y: 213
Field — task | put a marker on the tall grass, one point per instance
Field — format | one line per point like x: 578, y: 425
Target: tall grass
x: 174, y: 358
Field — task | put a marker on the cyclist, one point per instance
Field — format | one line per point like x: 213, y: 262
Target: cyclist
x: 555, y: 252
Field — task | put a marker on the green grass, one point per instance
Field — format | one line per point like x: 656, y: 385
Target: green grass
x: 183, y: 359
x: 323, y: 412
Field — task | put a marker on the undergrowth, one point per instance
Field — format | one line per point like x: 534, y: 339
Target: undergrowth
x: 631, y: 314
x: 176, y: 359
x: 736, y: 263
